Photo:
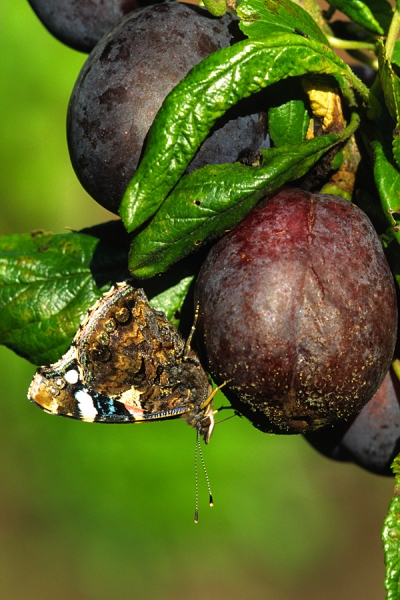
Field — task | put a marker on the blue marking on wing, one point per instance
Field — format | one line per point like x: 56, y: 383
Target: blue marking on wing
x: 110, y: 411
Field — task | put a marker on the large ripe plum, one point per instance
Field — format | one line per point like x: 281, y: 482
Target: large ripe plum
x: 371, y: 439
x: 123, y: 84
x: 298, y: 312
x: 81, y: 23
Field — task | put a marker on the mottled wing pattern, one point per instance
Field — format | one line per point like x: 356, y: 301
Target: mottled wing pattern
x: 126, y: 364
x: 58, y: 390
x: 131, y: 352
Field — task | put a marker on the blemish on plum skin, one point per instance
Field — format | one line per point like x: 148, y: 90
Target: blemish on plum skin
x: 311, y: 220
x: 113, y: 97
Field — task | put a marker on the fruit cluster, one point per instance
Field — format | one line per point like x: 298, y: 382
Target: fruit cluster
x: 298, y: 312
x: 123, y: 84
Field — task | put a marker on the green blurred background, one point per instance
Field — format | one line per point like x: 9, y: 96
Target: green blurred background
x: 96, y: 511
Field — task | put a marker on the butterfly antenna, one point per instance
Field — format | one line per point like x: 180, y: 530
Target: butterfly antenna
x: 227, y: 418
x: 198, y: 450
x: 206, y: 474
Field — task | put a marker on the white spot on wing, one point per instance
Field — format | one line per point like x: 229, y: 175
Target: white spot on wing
x: 86, y: 407
x: 72, y: 376
x: 131, y: 397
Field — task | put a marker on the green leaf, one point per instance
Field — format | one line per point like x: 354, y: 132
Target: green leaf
x: 387, y: 179
x: 47, y: 283
x: 315, y: 11
x: 259, y: 18
x: 390, y: 84
x: 204, y: 205
x: 216, y: 7
x: 396, y: 54
x: 396, y: 146
x: 374, y: 15
x: 209, y: 89
x: 391, y: 539
x: 288, y: 121
x: 170, y: 301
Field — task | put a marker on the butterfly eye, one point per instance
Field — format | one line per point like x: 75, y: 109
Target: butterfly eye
x: 205, y: 422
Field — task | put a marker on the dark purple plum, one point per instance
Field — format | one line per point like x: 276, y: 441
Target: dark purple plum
x: 298, y: 312
x: 81, y: 23
x: 371, y: 439
x: 123, y: 84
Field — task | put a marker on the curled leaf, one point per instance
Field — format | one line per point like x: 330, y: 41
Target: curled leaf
x: 209, y: 89
x: 214, y: 199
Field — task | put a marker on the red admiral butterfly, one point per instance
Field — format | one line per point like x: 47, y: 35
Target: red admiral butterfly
x: 126, y: 364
